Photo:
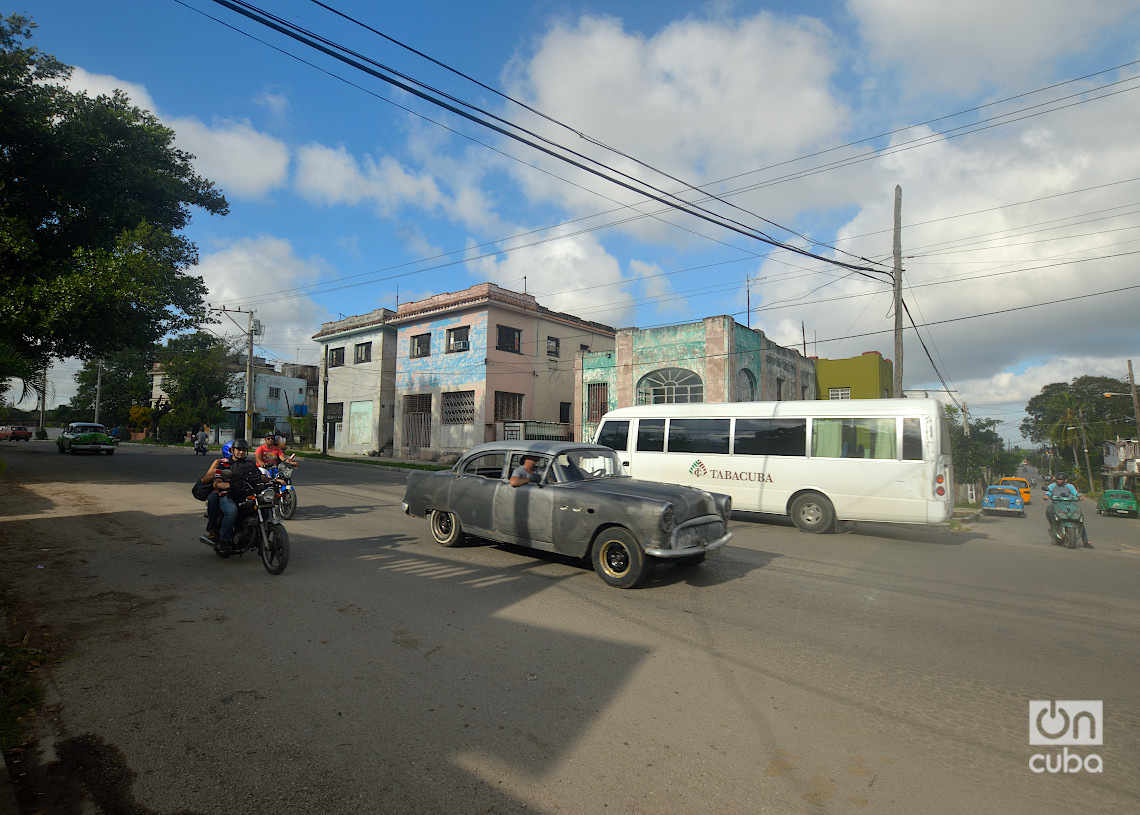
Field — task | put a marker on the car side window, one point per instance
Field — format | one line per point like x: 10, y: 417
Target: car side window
x: 540, y: 465
x: 488, y: 465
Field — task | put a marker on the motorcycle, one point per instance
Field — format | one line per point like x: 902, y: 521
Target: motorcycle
x: 1066, y: 524
x: 200, y: 447
x: 258, y: 528
x: 282, y: 476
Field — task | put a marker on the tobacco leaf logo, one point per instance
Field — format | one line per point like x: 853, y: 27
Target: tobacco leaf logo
x: 699, y: 469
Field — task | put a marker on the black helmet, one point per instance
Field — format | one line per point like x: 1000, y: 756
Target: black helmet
x: 240, y: 444
x: 1060, y: 477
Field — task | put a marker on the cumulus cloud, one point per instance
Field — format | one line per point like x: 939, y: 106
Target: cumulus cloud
x: 332, y: 176
x: 969, y: 45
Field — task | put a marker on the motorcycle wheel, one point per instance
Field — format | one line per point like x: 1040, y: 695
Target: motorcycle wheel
x: 288, y: 504
x: 1072, y: 538
x: 275, y: 549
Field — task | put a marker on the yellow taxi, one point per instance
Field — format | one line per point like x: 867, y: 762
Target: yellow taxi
x: 1021, y: 484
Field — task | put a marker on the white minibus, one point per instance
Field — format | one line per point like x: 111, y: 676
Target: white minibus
x: 818, y: 461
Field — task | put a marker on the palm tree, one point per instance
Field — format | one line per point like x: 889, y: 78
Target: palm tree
x: 31, y: 376
x: 1066, y: 428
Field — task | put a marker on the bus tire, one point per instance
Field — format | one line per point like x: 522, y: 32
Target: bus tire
x: 811, y: 512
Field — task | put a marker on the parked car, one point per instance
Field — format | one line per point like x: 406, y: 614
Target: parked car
x: 580, y: 502
x: 86, y: 437
x: 15, y: 433
x: 1117, y: 502
x: 1018, y: 483
x: 1003, y: 500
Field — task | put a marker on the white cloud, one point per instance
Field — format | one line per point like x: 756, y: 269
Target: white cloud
x: 242, y: 161
x: 95, y: 85
x: 967, y: 45
x: 332, y: 176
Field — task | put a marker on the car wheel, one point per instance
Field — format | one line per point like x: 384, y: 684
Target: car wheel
x: 618, y: 558
x: 71, y: 449
x: 811, y: 512
x: 445, y: 528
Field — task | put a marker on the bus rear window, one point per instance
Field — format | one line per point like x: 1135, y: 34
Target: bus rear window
x: 770, y: 437
x: 698, y: 436
x: 912, y: 439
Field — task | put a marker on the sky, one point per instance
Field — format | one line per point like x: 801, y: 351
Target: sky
x: 1011, y: 129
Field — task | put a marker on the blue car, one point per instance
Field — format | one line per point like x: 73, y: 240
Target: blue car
x: 1001, y: 500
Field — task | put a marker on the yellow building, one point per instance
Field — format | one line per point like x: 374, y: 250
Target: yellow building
x: 867, y: 376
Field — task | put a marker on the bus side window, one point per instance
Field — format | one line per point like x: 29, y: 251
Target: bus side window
x: 651, y: 435
x: 912, y: 439
x: 614, y: 435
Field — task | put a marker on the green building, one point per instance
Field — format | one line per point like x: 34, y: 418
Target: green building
x: 867, y: 376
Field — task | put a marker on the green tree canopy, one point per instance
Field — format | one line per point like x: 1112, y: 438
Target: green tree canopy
x: 92, y: 194
x: 981, y: 457
x: 122, y: 385
x: 198, y: 372
x: 1061, y: 403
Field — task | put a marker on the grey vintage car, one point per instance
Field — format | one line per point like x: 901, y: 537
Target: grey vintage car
x: 579, y: 502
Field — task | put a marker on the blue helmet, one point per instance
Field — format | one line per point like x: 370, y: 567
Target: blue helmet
x: 226, y: 449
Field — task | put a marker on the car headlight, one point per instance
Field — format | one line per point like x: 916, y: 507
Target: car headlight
x: 668, y: 517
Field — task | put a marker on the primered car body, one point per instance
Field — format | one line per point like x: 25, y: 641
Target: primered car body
x: 1003, y: 500
x: 1117, y: 502
x: 86, y: 437
x: 578, y: 503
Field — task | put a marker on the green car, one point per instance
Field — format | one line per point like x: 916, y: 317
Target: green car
x: 86, y: 437
x: 1117, y: 502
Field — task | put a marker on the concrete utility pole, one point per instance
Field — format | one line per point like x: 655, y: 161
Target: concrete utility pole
x: 1135, y: 401
x: 965, y: 419
x: 249, y: 331
x: 898, y: 391
x: 1085, y: 439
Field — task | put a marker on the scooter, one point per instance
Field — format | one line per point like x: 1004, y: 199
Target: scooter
x: 258, y: 528
x: 200, y: 447
x: 1066, y: 525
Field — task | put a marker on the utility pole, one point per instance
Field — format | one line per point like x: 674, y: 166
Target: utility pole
x: 1085, y: 439
x: 1135, y: 401
x: 898, y: 298
x: 249, y: 332
x: 965, y: 419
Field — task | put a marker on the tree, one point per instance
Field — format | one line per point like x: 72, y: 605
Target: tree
x: 197, y: 374
x: 980, y: 458
x: 122, y: 385
x: 92, y: 194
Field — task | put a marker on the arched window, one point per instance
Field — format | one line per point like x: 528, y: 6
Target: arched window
x: 670, y: 385
x: 744, y: 389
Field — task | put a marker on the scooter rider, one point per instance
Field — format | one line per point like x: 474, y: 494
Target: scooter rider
x: 231, y: 483
x: 1061, y: 486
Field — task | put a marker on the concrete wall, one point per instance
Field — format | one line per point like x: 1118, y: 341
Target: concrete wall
x: 366, y: 389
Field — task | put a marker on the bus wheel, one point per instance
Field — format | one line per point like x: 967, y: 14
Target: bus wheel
x: 811, y: 512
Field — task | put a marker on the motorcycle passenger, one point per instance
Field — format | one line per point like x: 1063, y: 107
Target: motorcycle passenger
x: 1061, y: 486
x: 232, y: 481
x: 272, y: 453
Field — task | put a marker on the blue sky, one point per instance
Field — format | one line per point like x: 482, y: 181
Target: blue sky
x: 347, y: 195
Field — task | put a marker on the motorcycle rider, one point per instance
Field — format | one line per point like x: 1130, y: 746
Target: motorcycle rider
x: 203, y: 438
x: 1061, y: 486
x: 232, y: 480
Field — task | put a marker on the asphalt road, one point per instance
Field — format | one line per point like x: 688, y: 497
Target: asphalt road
x: 880, y: 670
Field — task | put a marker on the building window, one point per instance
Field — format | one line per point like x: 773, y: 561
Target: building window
x: 744, y: 389
x: 779, y: 389
x: 553, y: 346
x: 421, y: 345
x: 564, y: 412
x: 509, y: 339
x: 597, y: 401
x: 275, y: 393
x: 459, y: 407
x: 508, y: 407
x: 458, y: 339
x: 839, y: 393
x: 583, y: 347
x: 670, y: 386
x: 363, y: 353
x: 417, y: 420
x: 336, y: 357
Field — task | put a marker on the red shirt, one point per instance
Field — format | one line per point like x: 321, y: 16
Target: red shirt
x: 271, y: 454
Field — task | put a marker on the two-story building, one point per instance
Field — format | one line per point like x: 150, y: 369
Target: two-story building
x: 867, y: 376
x: 486, y: 363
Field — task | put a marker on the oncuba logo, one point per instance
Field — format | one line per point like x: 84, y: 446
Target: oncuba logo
x: 1065, y: 723
x: 699, y: 469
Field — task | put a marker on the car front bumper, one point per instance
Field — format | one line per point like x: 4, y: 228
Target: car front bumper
x: 706, y: 534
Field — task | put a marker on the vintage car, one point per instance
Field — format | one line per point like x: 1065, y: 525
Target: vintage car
x: 15, y: 433
x: 1020, y: 484
x: 578, y: 502
x: 86, y: 437
x: 1117, y: 502
x: 1003, y: 500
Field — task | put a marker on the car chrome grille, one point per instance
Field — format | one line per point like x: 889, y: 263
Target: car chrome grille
x: 1001, y: 503
x: 696, y: 534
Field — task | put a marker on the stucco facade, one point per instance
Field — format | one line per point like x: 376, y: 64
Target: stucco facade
x: 714, y: 360
x: 868, y: 376
x: 470, y: 363
x: 357, y: 383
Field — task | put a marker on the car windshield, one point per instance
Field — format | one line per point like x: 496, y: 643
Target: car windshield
x: 583, y: 465
x: 1118, y: 494
x: 89, y: 428
x: 1001, y: 491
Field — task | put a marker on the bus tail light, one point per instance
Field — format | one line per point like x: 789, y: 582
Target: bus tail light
x: 940, y: 480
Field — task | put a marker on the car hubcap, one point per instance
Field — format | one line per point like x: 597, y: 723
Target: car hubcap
x: 616, y: 559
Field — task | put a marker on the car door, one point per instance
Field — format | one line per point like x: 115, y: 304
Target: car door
x: 526, y: 513
x: 472, y: 494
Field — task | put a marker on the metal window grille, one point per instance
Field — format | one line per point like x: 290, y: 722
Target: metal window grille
x: 745, y: 389
x: 839, y: 393
x: 670, y: 386
x: 417, y: 420
x: 597, y: 400
x: 458, y: 407
x: 508, y: 406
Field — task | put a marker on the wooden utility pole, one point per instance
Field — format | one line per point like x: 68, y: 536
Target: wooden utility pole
x: 1085, y: 439
x: 898, y: 366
